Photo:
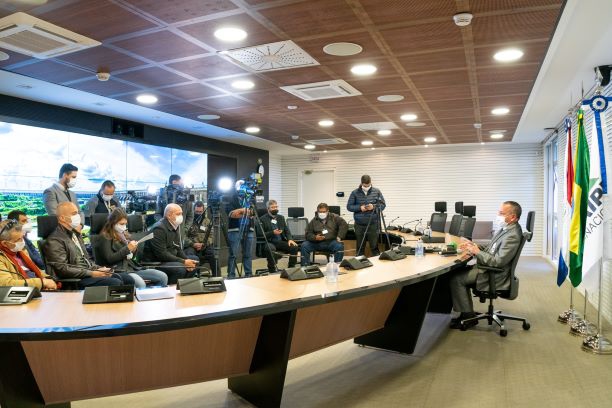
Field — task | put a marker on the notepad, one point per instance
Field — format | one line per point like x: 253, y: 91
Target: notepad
x: 155, y: 293
x: 145, y: 238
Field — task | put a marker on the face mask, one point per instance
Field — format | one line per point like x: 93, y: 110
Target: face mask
x: 18, y: 246
x: 178, y: 220
x: 107, y: 197
x: 322, y: 215
x: 273, y: 212
x: 27, y: 227
x: 500, y: 222
x: 120, y: 228
x: 75, y: 220
x: 72, y: 183
x: 199, y: 217
x: 366, y: 189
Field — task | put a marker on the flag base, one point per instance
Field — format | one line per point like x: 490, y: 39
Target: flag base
x: 568, y: 316
x: 597, y: 344
x: 582, y: 328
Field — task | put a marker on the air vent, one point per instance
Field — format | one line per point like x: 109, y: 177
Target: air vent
x: 32, y: 36
x: 374, y: 126
x: 325, y: 142
x: 322, y: 90
x: 272, y: 57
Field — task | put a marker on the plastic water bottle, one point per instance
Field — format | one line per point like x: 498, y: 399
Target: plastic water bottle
x: 419, y: 251
x: 427, y: 232
x: 331, y: 271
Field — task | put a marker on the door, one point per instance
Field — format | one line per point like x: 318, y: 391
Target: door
x: 316, y: 186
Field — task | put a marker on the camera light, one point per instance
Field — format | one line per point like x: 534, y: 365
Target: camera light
x: 225, y: 184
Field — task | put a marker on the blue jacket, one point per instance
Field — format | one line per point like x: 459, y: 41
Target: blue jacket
x: 359, y: 198
x: 34, y: 254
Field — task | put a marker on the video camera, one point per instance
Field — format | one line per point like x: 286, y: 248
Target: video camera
x: 249, y: 186
x: 140, y: 204
x: 175, y: 193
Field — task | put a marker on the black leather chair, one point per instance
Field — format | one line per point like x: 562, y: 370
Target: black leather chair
x: 492, y: 293
x: 297, y: 223
x: 97, y: 223
x: 468, y: 222
x: 455, y: 224
x: 334, y: 209
x: 46, y: 225
x: 438, y: 219
x: 136, y: 226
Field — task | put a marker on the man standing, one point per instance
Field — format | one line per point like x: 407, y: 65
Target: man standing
x: 324, y: 232
x: 60, y: 191
x: 362, y: 203
x: 199, y: 241
x: 26, y: 227
x: 498, y: 253
x: 104, y: 202
x: 277, y: 235
x: 240, y: 233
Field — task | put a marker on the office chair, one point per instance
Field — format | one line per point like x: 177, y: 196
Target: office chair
x: 46, y: 225
x: 136, y: 226
x: 438, y: 219
x: 334, y: 209
x: 297, y: 223
x: 492, y: 293
x: 455, y: 224
x: 468, y: 222
x: 97, y: 223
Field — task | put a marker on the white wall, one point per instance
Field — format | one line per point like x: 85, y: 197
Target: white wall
x: 275, y: 180
x: 412, y: 179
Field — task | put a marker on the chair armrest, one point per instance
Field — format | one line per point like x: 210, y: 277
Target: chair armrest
x: 493, y: 269
x: 152, y: 263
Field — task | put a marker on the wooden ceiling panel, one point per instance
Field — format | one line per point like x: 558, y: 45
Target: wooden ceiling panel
x: 514, y: 27
x: 226, y: 84
x: 152, y: 77
x: 271, y: 97
x: 440, y: 79
x: 454, y: 113
x: 534, y: 53
x: 505, y: 88
x: 14, y: 58
x: 314, y: 47
x: 349, y: 101
x: 495, y: 101
x: 207, y: 67
x: 161, y: 46
x: 423, y: 37
x: 485, y: 6
x: 162, y: 99
x: 434, y: 61
x: 380, y: 86
x: 183, y: 109
x: 97, y: 58
x: 465, y: 120
x: 54, y: 72
x: 343, y: 69
x: 170, y: 12
x: 400, y: 11
x: 191, y: 91
x: 466, y: 103
x: 373, y: 98
x: 450, y: 92
x: 107, y: 88
x: 298, y: 76
x: 397, y: 109
x: 321, y: 16
x: 353, y: 113
x: 507, y: 73
x: 224, y: 102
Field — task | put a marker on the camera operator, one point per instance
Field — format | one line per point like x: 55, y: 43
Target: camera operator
x: 277, y: 235
x: 197, y: 243
x: 240, y: 231
x: 362, y: 204
x: 176, y: 193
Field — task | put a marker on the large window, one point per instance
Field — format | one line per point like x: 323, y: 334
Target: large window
x: 33, y: 156
x: 551, y: 199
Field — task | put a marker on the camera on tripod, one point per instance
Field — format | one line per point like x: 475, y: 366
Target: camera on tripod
x: 140, y: 203
x: 249, y: 187
x: 175, y: 193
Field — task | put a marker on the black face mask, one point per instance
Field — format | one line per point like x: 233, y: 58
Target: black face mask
x: 198, y: 217
x: 273, y: 212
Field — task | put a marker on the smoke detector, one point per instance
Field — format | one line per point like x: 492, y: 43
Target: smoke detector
x: 463, y: 19
x: 294, y: 137
x: 103, y: 76
x: 477, y: 125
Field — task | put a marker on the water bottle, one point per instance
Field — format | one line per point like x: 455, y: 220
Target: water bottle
x: 427, y: 232
x: 331, y: 271
x: 419, y: 251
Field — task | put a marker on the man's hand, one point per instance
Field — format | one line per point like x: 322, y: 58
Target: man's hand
x: 369, y: 207
x: 198, y: 246
x: 190, y: 264
x: 277, y: 231
x: 49, y: 284
x: 101, y: 273
x: 363, y: 208
x: 319, y: 237
x: 338, y: 239
x: 132, y: 245
x: 470, y: 247
x: 292, y: 243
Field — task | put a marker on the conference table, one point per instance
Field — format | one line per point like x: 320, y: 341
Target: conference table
x: 55, y: 349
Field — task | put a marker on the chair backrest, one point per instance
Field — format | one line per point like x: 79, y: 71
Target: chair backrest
x: 297, y: 226
x: 469, y: 211
x: 514, y: 281
x: 295, y: 212
x: 334, y: 209
x: 440, y: 206
x: 438, y: 221
x: 97, y: 222
x: 529, y: 224
x: 467, y: 227
x: 46, y: 225
x: 135, y: 223
x: 455, y: 224
x: 459, y: 207
x: 96, y: 243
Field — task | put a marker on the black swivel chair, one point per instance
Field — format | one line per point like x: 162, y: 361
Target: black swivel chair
x: 46, y: 225
x: 136, y: 226
x: 438, y: 219
x: 97, y: 222
x: 455, y: 224
x: 497, y: 316
x: 334, y: 209
x: 297, y: 223
x: 468, y: 222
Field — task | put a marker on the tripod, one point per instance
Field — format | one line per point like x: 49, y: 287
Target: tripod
x: 218, y: 226
x: 380, y: 220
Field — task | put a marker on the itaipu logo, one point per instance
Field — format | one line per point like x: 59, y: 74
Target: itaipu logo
x: 595, y: 209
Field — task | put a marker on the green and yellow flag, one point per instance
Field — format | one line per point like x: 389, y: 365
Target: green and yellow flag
x: 581, y: 191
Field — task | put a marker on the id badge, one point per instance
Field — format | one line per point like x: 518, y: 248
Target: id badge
x: 202, y: 228
x: 324, y: 232
x: 274, y: 222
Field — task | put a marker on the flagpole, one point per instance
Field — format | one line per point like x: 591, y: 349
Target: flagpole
x: 597, y: 343
x: 570, y: 315
x: 583, y: 327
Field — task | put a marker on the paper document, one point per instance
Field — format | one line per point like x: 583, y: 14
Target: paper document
x: 145, y: 238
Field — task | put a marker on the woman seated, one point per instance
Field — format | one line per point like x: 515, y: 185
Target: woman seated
x: 16, y: 267
x: 115, y: 249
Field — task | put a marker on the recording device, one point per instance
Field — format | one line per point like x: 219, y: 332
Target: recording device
x: 249, y: 186
x: 177, y: 194
x: 17, y: 295
x: 140, y: 203
x: 358, y: 262
x: 108, y: 294
x: 302, y: 273
x: 196, y: 286
x: 394, y: 254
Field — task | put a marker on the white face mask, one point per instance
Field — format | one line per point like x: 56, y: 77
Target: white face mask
x: 106, y: 197
x: 120, y: 228
x: 27, y: 227
x: 322, y: 215
x: 366, y: 189
x: 75, y: 220
x: 18, y: 246
x: 499, y: 223
x: 178, y: 220
x: 72, y: 183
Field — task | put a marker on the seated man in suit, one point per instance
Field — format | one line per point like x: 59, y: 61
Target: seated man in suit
x: 498, y: 253
x: 61, y: 191
x: 167, y: 247
x: 324, y: 232
x: 67, y: 257
x: 26, y: 226
x: 278, y: 236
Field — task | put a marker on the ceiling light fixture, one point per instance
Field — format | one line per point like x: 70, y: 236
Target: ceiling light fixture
x: 384, y: 132
x: 430, y: 139
x: 294, y: 137
x: 147, y: 99
x: 243, y: 85
x: 481, y: 143
x: 363, y: 69
x: 508, y: 55
x: 367, y: 143
x: 4, y: 56
x: 426, y: 145
x: 500, y: 111
x: 342, y: 49
x: 208, y: 117
x: 230, y: 34
x: 292, y: 107
x: 390, y: 98
x: 408, y: 117
x: 415, y: 124
x: 326, y: 123
x: 309, y: 147
x: 463, y: 19
x: 497, y: 136
x: 252, y: 129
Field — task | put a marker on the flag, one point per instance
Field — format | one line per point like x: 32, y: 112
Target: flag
x: 568, y: 175
x: 581, y: 189
x: 594, y: 228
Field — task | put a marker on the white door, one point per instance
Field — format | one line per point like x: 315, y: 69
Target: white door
x: 316, y: 186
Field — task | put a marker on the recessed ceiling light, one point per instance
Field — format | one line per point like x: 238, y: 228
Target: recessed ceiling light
x: 294, y: 137
x: 208, y: 117
x: 497, y: 136
x: 4, y: 56
x: 500, y: 111
x: 230, y: 34
x: 309, y: 147
x: 372, y: 148
x: 415, y: 124
x: 498, y: 131
x: 242, y: 84
x: 384, y: 132
x: 408, y: 117
x: 292, y: 107
x: 363, y: 69
x: 326, y: 123
x: 426, y: 145
x: 342, y: 49
x: 481, y: 143
x: 147, y: 99
x: 390, y: 98
x: 430, y: 139
x: 508, y: 55
x: 252, y: 129
x: 367, y: 143
x: 324, y: 151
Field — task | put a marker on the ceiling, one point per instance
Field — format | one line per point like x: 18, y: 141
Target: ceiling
x: 446, y: 74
